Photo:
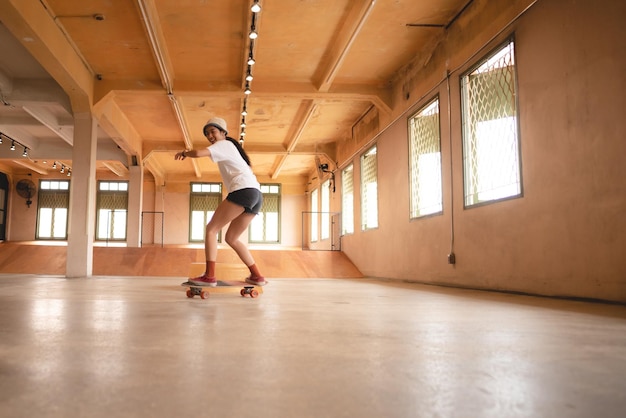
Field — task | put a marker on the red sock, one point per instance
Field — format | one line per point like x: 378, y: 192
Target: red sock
x: 210, y: 269
x: 254, y: 271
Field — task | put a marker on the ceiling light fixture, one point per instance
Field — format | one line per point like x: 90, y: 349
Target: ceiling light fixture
x: 249, y: 74
x: 247, y: 90
x: 62, y: 169
x: 256, y: 7
x: 14, y: 144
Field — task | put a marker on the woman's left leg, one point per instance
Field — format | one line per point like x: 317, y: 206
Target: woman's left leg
x: 233, y: 235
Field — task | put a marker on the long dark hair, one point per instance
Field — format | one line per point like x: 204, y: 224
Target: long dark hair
x: 240, y: 149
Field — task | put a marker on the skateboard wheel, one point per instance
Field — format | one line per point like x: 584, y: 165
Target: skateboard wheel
x: 204, y: 295
x: 189, y: 293
x: 242, y: 292
x: 254, y: 293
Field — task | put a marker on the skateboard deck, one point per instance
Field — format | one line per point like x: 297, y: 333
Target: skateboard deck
x: 223, y: 286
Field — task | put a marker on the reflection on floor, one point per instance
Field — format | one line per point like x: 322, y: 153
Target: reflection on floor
x: 137, y: 346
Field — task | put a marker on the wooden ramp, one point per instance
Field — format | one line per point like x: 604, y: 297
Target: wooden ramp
x: 29, y: 258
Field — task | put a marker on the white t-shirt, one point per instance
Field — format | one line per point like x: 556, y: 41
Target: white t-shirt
x: 235, y: 172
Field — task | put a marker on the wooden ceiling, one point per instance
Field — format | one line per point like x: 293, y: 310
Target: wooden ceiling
x: 154, y: 71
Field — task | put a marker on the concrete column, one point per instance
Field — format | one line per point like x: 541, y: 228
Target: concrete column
x: 81, y: 226
x: 135, y: 206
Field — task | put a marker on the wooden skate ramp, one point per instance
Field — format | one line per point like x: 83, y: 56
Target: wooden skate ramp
x: 34, y: 258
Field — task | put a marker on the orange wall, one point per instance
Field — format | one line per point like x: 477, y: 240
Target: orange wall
x: 172, y: 199
x: 567, y: 235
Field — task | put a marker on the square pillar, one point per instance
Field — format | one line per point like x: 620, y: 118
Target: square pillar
x: 135, y: 206
x: 81, y: 224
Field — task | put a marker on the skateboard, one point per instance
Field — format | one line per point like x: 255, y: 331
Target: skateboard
x: 223, y: 286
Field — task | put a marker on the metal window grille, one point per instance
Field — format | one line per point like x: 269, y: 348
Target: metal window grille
x: 425, y: 161
x: 314, y: 221
x: 369, y: 189
x: 325, y: 206
x: 52, y: 213
x: 203, y: 206
x: 491, y: 162
x: 112, y: 215
x: 347, y: 200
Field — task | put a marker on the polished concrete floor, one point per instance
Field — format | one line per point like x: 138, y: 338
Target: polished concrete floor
x: 137, y: 347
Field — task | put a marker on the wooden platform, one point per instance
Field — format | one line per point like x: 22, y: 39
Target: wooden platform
x: 29, y: 258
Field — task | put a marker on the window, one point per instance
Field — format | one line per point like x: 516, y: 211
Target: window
x: 425, y: 161
x: 314, y: 210
x: 347, y: 200
x: 491, y: 163
x: 53, y: 202
x: 325, y: 215
x: 265, y: 227
x: 112, y: 210
x: 369, y: 189
x: 204, y: 200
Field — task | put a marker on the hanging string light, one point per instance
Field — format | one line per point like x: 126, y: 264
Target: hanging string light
x: 255, y: 8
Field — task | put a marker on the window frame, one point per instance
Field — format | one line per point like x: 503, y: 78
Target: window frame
x: 414, y: 210
x: 364, y: 191
x: 267, y: 191
x: 43, y: 190
x: 208, y: 194
x: 114, y: 192
x: 471, y: 200
x: 349, y: 170
x: 314, y: 224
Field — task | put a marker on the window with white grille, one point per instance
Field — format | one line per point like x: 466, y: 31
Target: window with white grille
x: 52, y: 209
x: 203, y: 201
x: 491, y: 162
x: 111, y: 210
x: 325, y: 215
x: 314, y: 210
x: 369, y: 189
x: 347, y: 200
x: 265, y: 227
x: 425, y: 161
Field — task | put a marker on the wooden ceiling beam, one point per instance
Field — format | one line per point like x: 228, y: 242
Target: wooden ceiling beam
x: 339, y: 49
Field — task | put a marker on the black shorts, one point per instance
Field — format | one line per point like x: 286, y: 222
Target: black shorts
x: 250, y: 199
